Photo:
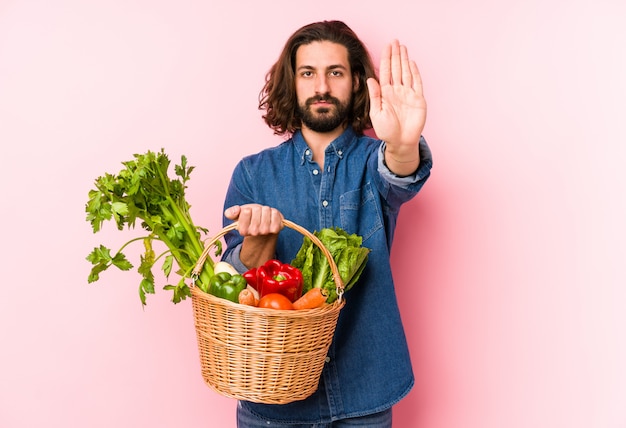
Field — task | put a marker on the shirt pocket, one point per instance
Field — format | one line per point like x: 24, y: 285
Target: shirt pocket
x: 360, y: 213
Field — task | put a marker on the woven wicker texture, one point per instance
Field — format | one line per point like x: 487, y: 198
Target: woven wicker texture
x: 263, y: 355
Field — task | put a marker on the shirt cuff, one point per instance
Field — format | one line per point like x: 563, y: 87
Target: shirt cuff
x: 419, y: 174
x: 233, y: 258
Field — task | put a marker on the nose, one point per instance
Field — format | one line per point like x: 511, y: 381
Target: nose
x: 321, y: 84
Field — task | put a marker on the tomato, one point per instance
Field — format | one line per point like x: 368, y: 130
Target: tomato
x: 275, y: 301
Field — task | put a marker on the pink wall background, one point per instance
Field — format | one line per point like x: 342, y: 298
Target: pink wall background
x: 509, y: 264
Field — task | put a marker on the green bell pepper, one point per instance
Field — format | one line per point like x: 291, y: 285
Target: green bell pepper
x: 227, y: 286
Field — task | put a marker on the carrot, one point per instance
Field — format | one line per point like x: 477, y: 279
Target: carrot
x: 314, y: 298
x: 246, y: 297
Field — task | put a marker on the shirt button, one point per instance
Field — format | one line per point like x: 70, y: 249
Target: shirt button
x: 307, y: 152
x: 339, y: 152
x: 315, y: 172
x: 327, y: 359
x: 325, y: 203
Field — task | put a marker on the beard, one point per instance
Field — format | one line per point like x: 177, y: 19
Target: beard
x: 324, y: 119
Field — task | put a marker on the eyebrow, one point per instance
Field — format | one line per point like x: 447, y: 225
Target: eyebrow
x: 330, y: 67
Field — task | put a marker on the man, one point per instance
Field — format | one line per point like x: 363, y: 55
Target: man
x: 322, y: 93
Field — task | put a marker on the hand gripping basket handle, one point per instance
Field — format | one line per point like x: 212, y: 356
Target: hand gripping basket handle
x: 333, y: 266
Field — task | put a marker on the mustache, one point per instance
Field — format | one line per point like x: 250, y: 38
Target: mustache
x: 324, y: 97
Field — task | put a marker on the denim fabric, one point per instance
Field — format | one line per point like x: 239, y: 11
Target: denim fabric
x: 368, y: 367
x: 247, y: 419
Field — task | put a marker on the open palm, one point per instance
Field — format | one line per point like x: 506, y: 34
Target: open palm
x: 397, y: 104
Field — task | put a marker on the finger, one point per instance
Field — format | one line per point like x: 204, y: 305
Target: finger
x: 417, y: 79
x: 243, y: 221
x: 385, y: 66
x: 407, y: 78
x: 264, y: 220
x: 276, y: 221
x: 255, y: 216
x: 375, y: 95
x: 232, y: 213
x: 396, y: 64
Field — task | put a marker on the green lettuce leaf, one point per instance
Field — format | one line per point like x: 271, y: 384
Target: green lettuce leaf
x: 347, y: 252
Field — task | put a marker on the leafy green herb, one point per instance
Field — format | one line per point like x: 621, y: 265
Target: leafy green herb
x: 143, y: 191
x: 347, y: 252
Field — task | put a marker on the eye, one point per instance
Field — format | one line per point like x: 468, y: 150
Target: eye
x: 336, y: 73
x: 306, y: 73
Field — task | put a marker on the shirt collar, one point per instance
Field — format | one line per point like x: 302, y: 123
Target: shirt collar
x: 338, y: 146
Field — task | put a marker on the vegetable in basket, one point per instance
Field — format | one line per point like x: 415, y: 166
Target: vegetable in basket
x: 314, y: 298
x: 247, y: 297
x: 347, y: 252
x: 276, y: 277
x: 275, y: 301
x: 143, y: 191
x: 226, y: 286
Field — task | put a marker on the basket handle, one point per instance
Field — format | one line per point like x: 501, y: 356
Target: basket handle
x: 233, y: 226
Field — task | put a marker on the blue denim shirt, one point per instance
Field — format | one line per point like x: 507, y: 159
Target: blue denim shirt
x: 368, y: 367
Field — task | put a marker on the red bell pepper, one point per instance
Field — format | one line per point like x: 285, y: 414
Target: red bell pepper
x: 276, y: 277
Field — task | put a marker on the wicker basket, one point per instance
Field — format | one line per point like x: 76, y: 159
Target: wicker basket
x: 263, y: 355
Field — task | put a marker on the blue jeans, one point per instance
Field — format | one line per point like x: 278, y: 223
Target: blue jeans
x: 246, y: 419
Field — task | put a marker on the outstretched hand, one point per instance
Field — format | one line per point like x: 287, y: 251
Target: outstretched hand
x: 397, y: 104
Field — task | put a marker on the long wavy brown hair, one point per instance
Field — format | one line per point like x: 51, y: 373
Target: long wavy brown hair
x: 278, y: 96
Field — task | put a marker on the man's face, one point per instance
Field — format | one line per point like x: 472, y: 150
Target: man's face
x: 324, y: 85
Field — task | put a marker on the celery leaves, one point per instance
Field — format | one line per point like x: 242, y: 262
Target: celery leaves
x: 143, y: 191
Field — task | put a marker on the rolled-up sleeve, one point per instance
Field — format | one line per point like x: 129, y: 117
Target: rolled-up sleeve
x: 421, y: 174
x: 232, y: 257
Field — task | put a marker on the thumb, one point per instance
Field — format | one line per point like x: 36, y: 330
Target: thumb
x: 375, y: 95
x: 232, y: 213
